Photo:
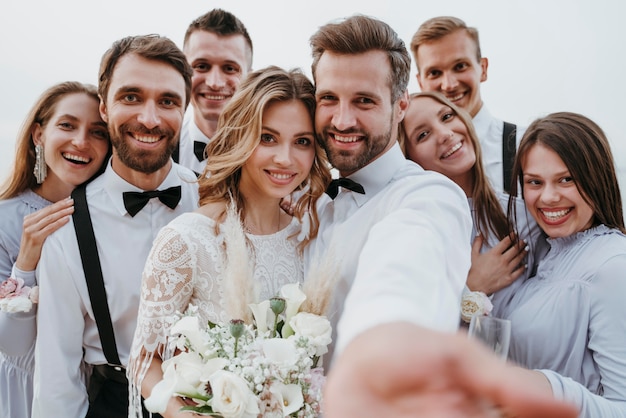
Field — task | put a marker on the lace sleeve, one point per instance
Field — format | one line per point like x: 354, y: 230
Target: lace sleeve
x: 166, y: 288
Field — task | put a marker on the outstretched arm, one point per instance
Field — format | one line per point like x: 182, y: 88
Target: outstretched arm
x: 404, y: 370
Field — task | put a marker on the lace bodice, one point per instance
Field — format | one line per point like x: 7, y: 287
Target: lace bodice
x: 186, y: 267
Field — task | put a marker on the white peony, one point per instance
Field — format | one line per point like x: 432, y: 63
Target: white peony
x: 232, y: 397
x: 314, y: 327
x: 474, y: 303
x: 16, y: 304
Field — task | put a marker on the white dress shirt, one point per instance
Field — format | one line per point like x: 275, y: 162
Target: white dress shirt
x: 66, y: 330
x: 188, y: 134
x: 489, y: 130
x: 402, y: 247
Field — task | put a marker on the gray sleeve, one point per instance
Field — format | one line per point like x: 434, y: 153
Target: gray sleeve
x: 607, y: 343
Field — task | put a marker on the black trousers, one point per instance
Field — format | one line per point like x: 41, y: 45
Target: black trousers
x: 108, y: 394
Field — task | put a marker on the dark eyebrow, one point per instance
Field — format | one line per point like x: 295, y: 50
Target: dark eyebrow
x: 172, y: 95
x: 128, y: 89
x: 134, y: 89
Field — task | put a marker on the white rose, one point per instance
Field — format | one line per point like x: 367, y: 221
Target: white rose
x: 231, y: 396
x: 314, y: 327
x: 16, y: 304
x: 474, y: 303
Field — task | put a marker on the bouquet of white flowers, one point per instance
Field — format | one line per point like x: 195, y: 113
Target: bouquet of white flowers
x: 265, y: 369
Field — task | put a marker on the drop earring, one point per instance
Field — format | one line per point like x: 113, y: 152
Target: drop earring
x: 41, y: 170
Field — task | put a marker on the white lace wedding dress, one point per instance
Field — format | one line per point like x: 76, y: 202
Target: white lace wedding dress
x: 186, y: 266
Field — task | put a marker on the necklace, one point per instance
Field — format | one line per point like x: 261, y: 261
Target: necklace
x: 253, y: 229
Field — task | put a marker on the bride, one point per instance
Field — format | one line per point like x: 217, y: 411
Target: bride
x: 239, y: 247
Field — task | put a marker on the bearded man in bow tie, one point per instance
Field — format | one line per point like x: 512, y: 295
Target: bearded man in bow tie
x: 400, y: 234
x: 144, y: 88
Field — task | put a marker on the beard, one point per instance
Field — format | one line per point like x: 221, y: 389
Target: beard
x: 144, y: 161
x: 350, y: 161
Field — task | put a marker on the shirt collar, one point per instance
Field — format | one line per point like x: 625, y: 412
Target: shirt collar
x: 377, y: 174
x: 115, y: 186
x: 196, y: 134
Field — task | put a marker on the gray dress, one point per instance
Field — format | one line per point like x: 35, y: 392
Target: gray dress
x: 17, y: 330
x: 569, y: 321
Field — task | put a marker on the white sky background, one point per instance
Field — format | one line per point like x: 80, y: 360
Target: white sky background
x: 544, y: 56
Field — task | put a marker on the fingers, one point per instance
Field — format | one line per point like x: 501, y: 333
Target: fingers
x: 44, y: 218
x: 37, y: 227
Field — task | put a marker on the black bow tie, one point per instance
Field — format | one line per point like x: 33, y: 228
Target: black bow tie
x: 346, y: 183
x: 198, y: 149
x: 135, y: 201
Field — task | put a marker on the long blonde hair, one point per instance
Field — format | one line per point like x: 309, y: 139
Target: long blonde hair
x: 239, y: 132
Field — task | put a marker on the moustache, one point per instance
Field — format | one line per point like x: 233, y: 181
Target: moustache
x: 134, y: 128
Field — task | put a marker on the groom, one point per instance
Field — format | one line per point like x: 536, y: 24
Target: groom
x: 402, y: 235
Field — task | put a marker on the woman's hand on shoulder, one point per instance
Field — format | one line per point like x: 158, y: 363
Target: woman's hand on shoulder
x: 38, y: 226
x: 498, y: 267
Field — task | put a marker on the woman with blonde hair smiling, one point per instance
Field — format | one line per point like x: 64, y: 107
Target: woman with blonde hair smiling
x: 264, y: 150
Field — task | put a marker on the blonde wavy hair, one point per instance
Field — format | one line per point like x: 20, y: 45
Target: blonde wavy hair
x: 239, y: 133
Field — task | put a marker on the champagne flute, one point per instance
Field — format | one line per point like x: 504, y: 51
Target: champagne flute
x: 495, y: 333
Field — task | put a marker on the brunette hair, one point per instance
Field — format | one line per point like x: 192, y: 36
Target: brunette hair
x: 489, y: 213
x: 22, y: 177
x: 222, y: 23
x: 438, y: 27
x: 239, y: 133
x: 584, y: 149
x: 359, y: 34
x: 150, y: 47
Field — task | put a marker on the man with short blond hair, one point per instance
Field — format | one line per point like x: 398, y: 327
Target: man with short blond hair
x: 449, y: 61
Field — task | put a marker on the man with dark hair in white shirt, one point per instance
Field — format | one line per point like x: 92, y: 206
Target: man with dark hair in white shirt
x: 144, y: 86
x: 401, y: 235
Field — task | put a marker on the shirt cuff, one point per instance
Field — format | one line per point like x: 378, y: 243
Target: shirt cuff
x: 28, y: 276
